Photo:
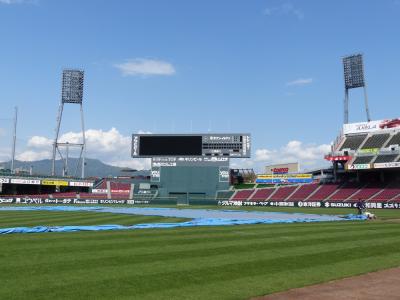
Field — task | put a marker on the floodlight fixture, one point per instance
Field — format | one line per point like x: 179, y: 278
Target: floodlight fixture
x: 72, y: 86
x: 353, y: 71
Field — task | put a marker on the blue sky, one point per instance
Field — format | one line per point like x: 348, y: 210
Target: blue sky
x: 271, y: 68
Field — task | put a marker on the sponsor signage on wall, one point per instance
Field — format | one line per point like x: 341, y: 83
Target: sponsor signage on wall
x: 223, y: 174
x: 81, y: 183
x: 55, y: 182
x: 365, y: 127
x: 4, y: 180
x: 359, y: 167
x: 155, y: 174
x: 285, y: 178
x: 189, y: 161
x: 314, y: 204
x: 387, y: 165
x: 369, y: 151
x: 25, y: 181
x: 282, y: 168
x: 99, y: 191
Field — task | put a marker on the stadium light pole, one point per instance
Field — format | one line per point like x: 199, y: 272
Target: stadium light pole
x: 72, y: 93
x: 353, y: 70
x: 14, y: 139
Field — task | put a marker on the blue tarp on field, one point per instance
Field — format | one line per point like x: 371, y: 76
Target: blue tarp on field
x: 200, y: 217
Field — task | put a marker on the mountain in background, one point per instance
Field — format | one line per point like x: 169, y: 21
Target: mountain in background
x: 93, y: 168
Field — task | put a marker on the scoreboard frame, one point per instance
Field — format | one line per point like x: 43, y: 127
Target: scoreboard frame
x: 230, y: 145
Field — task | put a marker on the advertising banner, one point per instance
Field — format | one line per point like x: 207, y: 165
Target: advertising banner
x: 387, y: 165
x: 4, y: 180
x: 369, y: 151
x: 25, y: 181
x: 284, y: 178
x: 359, y: 167
x: 99, y: 191
x: 282, y: 168
x: 27, y: 200
x: 315, y: 204
x: 365, y: 127
x: 55, y: 182
x: 223, y: 174
x: 81, y: 183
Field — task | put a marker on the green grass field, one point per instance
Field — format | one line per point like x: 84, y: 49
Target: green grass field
x: 231, y: 262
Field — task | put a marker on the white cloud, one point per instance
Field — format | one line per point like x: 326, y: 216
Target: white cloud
x: 110, y: 147
x: 300, y: 82
x: 39, y: 142
x: 310, y: 156
x: 145, y: 67
x: 286, y: 9
x: 31, y: 155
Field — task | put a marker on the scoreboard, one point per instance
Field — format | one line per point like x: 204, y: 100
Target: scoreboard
x: 192, y: 145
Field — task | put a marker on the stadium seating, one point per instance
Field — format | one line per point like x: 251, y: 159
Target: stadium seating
x: 303, y: 192
x: 323, y: 192
x: 376, y: 141
x: 363, y: 160
x: 353, y: 142
x: 262, y: 194
x: 282, y: 193
x: 395, y: 140
x: 388, y: 193
x: 243, y: 195
x: 367, y: 192
x: 345, y: 191
x: 386, y: 158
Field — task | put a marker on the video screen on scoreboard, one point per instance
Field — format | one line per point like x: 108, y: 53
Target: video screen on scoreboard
x: 170, y: 145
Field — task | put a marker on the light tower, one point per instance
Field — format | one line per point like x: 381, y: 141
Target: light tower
x: 353, y: 68
x: 72, y: 93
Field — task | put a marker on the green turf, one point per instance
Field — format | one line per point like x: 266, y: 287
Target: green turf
x: 230, y: 262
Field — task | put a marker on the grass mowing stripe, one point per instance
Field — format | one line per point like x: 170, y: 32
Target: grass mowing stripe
x: 85, y: 219
x: 108, y: 239
x: 265, y: 283
x: 149, y: 240
x: 128, y: 284
x: 120, y: 257
x: 215, y: 246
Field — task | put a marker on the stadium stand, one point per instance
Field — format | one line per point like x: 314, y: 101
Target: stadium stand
x: 262, y: 194
x: 353, y: 142
x: 375, y: 141
x: 386, y: 158
x: 324, y: 191
x: 303, y: 192
x: 243, y: 195
x: 395, y: 140
x: 283, y: 192
x: 363, y: 160
x: 388, y: 193
x: 345, y: 191
x: 367, y: 192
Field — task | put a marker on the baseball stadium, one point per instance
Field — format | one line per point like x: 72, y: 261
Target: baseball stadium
x: 199, y: 150
x: 195, y: 228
